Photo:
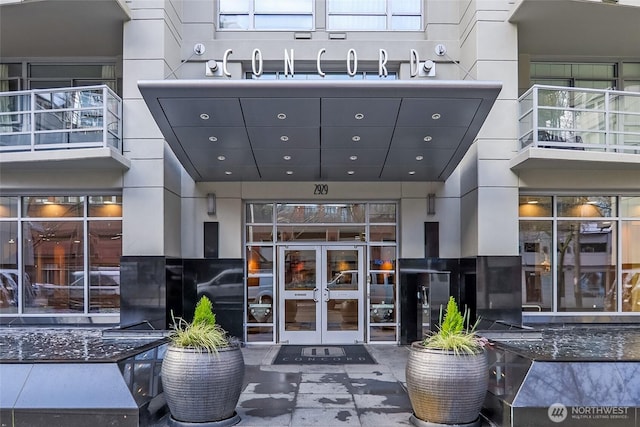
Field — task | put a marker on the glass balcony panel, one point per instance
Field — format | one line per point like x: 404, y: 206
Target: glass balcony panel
x: 19, y: 140
x: 51, y: 121
x: 15, y: 123
x: 526, y: 103
x: 11, y: 103
x: 625, y: 103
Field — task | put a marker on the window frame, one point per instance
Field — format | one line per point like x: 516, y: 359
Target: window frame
x: 251, y: 15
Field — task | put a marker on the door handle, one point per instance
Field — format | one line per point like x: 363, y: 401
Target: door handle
x: 315, y: 298
x: 326, y: 295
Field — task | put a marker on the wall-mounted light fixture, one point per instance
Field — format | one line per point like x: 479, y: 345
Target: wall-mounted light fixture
x: 431, y: 204
x: 211, y: 203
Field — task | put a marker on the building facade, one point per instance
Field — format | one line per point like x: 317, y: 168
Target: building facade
x: 318, y: 167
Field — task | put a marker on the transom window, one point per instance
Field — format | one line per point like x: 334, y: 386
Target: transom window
x: 341, y: 15
x: 374, y: 15
x: 265, y: 15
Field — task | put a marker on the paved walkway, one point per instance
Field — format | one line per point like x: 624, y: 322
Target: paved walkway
x: 324, y: 395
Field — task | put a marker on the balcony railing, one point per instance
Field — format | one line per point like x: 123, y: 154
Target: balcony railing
x: 57, y: 119
x: 580, y: 119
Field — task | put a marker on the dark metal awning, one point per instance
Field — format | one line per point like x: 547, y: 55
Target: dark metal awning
x: 258, y: 130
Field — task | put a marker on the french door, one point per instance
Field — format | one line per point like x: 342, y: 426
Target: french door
x: 321, y: 294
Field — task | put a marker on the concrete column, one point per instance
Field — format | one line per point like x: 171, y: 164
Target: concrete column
x: 152, y: 187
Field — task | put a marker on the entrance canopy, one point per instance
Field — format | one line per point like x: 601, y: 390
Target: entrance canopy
x: 288, y: 130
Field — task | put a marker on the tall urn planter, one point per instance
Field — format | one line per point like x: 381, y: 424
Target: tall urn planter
x: 202, y: 372
x: 447, y: 374
x: 446, y: 388
x: 201, y: 387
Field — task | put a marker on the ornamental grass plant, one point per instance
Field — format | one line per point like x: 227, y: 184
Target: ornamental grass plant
x: 455, y: 333
x: 203, y: 333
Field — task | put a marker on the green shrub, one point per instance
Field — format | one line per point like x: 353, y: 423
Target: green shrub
x: 454, y: 332
x: 203, y: 333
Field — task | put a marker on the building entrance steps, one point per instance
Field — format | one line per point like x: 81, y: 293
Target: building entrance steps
x: 324, y: 395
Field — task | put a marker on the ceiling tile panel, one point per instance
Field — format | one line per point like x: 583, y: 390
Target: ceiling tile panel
x: 234, y: 173
x: 290, y: 112
x: 321, y: 125
x: 284, y: 137
x: 452, y: 112
x: 356, y: 136
x: 294, y: 173
x: 222, y: 157
x: 359, y: 111
x: 304, y: 156
x: 408, y: 157
x: 345, y: 173
x: 188, y: 111
x: 212, y: 137
x: 363, y: 157
x: 428, y: 137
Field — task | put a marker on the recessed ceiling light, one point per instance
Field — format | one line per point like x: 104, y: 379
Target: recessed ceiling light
x: 286, y: 157
x: 289, y: 172
x: 213, y: 138
x: 351, y: 172
x: 355, y: 138
x: 353, y: 158
x: 428, y: 138
x: 228, y: 172
x: 221, y: 158
x: 359, y: 116
x: 204, y: 116
x: 418, y: 158
x: 435, y: 116
x: 412, y: 172
x: 284, y: 138
x: 282, y: 116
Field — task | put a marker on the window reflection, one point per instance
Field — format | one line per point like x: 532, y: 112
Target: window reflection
x: 536, y: 247
x: 52, y: 252
x: 56, y: 277
x: 586, y: 266
x: 105, y: 250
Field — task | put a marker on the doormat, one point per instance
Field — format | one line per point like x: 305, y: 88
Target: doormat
x: 323, y: 355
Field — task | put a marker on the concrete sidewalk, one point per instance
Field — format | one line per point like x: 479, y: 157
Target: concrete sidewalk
x: 324, y: 395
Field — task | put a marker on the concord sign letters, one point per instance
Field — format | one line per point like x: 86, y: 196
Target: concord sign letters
x: 351, y: 62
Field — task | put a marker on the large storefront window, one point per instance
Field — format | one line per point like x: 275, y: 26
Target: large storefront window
x: 60, y: 254
x: 580, y: 253
x: 322, y: 228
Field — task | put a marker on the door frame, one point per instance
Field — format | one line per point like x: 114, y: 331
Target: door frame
x: 322, y: 295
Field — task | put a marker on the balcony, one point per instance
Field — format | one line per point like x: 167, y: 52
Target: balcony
x: 578, y: 125
x: 81, y: 123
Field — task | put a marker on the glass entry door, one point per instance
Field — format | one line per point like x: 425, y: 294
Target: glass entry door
x: 321, y: 292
